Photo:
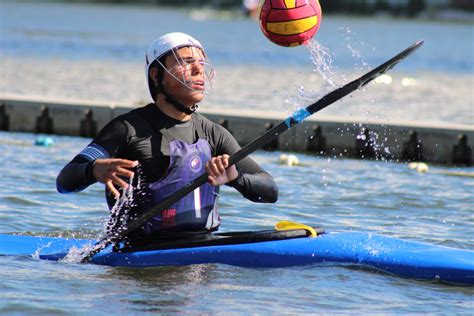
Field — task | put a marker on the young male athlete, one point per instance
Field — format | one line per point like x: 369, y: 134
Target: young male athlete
x: 171, y: 145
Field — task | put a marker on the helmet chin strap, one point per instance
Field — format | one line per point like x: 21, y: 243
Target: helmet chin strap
x: 178, y: 105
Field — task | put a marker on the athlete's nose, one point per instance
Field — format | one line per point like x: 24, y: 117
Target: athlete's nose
x: 197, y: 68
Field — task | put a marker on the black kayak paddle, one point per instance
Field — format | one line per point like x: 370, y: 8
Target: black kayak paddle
x: 296, y: 118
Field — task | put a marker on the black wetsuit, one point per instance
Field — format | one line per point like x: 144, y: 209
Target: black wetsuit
x: 144, y: 134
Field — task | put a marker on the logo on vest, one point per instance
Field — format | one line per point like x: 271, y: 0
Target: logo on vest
x: 195, y: 164
x: 168, y: 218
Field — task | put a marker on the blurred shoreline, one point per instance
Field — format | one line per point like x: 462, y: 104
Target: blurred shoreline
x: 416, y: 96
x: 96, y: 52
x: 447, y: 10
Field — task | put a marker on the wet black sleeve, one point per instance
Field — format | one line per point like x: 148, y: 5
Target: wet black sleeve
x: 253, y: 182
x: 77, y: 174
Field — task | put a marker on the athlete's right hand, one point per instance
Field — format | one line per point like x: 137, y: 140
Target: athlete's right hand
x: 108, y: 172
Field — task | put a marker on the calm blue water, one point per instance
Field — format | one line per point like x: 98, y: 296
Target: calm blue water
x: 337, y: 194
x: 380, y: 197
x: 77, y: 31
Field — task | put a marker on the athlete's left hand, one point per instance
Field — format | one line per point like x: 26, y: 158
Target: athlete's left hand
x: 219, y: 171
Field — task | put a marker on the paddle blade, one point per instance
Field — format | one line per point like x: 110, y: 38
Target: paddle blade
x: 380, y: 70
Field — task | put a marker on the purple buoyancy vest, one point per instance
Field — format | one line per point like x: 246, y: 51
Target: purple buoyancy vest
x: 198, y: 209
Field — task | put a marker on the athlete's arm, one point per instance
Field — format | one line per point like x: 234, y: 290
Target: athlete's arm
x: 252, y: 181
x: 95, y: 162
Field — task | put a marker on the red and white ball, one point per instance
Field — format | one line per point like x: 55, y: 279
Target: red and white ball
x: 290, y: 22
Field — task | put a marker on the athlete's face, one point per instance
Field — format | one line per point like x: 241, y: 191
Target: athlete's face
x: 185, y: 80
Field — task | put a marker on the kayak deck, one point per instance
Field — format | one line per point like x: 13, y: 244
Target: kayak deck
x: 395, y: 256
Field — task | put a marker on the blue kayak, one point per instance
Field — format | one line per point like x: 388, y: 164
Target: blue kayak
x: 391, y: 255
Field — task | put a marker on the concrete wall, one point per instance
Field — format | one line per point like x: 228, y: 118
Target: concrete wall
x: 330, y: 136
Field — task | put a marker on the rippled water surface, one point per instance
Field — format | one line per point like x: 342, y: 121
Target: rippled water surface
x: 95, y: 52
x: 337, y: 194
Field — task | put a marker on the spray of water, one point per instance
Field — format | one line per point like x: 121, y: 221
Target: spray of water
x: 119, y: 216
x: 323, y: 62
x: 324, y: 69
x: 322, y: 59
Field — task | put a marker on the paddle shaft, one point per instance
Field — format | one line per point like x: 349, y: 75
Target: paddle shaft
x: 258, y: 143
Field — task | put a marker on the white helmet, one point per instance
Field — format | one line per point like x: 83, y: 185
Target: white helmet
x: 170, y: 43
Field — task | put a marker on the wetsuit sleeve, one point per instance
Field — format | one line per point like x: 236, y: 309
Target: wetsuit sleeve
x: 77, y: 174
x: 253, y: 182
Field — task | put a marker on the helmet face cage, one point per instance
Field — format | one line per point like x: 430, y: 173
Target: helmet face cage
x: 183, y: 68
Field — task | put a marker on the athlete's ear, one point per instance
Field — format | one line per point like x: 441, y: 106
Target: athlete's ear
x: 154, y: 75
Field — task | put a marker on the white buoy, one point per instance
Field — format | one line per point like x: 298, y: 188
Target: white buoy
x: 289, y: 160
x: 423, y: 167
x: 418, y: 166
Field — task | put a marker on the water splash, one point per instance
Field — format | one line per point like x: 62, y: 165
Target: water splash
x: 351, y: 41
x: 322, y: 59
x: 120, y: 212
x: 118, y: 219
x: 75, y: 255
x: 376, y: 141
x: 36, y: 254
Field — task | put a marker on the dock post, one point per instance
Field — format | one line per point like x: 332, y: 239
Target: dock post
x: 273, y: 145
x: 316, y: 141
x: 413, y: 148
x: 4, y: 118
x: 462, y: 152
x: 44, y: 123
x: 88, y: 126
